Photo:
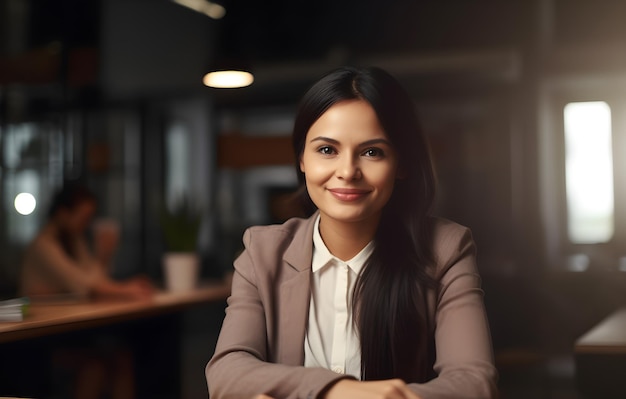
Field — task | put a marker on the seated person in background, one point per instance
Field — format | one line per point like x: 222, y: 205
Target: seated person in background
x: 59, y: 261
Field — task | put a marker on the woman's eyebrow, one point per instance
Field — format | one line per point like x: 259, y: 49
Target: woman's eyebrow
x: 322, y: 138
x: 363, y: 144
x: 375, y: 141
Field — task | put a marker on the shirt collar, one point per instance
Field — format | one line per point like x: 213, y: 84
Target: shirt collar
x: 323, y: 257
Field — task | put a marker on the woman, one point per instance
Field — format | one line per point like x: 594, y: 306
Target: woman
x: 371, y: 296
x: 59, y: 261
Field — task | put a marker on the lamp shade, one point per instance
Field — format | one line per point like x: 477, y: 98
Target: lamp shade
x: 228, y: 78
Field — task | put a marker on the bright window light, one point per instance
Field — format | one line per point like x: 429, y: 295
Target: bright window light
x: 589, y: 172
x: 178, y: 166
x: 25, y: 203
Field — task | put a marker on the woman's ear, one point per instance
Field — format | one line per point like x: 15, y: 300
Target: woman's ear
x: 301, y: 165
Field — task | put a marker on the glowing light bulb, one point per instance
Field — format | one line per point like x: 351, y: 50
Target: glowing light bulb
x: 25, y: 203
x: 228, y: 79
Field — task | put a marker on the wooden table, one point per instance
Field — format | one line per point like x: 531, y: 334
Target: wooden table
x: 601, y: 358
x: 152, y: 328
x: 45, y: 318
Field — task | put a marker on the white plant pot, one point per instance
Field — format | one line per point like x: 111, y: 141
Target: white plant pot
x: 180, y: 270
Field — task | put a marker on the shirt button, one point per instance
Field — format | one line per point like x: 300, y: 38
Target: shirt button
x: 338, y: 370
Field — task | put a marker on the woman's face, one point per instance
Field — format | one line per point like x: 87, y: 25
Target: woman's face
x: 348, y: 163
x: 76, y: 220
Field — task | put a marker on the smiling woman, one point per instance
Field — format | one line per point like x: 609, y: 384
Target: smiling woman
x: 349, y: 166
x: 371, y: 294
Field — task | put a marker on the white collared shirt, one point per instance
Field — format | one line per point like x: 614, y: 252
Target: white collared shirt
x: 331, y: 340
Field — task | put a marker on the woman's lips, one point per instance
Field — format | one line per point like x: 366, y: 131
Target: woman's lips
x: 348, y: 194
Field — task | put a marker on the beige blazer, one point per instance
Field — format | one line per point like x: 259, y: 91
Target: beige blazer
x: 261, y: 344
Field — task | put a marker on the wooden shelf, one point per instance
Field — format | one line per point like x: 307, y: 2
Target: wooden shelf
x: 240, y: 152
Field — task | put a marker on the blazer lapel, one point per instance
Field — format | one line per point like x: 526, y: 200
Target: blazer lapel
x: 295, y: 295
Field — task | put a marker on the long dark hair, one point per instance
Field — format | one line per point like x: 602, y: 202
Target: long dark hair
x: 389, y: 299
x: 69, y: 196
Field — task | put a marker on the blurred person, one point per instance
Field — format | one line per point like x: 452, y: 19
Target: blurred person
x: 372, y: 296
x: 59, y: 262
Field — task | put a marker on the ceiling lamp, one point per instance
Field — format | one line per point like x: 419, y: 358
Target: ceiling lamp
x: 213, y: 10
x: 228, y: 79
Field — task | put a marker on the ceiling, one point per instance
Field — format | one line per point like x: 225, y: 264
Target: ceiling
x: 148, y: 47
x: 425, y: 43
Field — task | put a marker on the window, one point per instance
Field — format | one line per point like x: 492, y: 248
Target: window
x: 177, y: 171
x: 31, y: 162
x: 582, y: 173
x: 589, y: 172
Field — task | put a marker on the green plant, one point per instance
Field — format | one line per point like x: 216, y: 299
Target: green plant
x: 180, y: 223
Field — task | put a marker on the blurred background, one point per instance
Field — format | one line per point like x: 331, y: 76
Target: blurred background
x: 522, y: 100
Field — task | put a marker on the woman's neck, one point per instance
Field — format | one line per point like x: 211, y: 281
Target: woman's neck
x: 346, y: 239
x: 51, y: 228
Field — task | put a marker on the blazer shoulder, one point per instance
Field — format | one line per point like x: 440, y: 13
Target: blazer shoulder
x: 273, y: 233
x: 291, y: 241
x: 446, y: 229
x: 451, y: 241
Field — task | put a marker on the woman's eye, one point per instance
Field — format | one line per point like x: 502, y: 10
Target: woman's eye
x: 373, y: 152
x: 326, y: 150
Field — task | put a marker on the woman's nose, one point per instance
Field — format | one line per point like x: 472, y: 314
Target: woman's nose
x: 349, y: 169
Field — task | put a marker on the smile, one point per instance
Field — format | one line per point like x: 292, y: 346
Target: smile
x: 348, y: 194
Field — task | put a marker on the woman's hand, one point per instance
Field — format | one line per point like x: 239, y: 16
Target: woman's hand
x: 136, y: 288
x: 385, y: 389
x: 139, y: 287
x: 106, y: 237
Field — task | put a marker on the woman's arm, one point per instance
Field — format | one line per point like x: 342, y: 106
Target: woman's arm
x: 50, y: 261
x: 139, y: 288
x: 464, y: 355
x: 384, y: 389
x: 85, y: 275
x: 240, y: 367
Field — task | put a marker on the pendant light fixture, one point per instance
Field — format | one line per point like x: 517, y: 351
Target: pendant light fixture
x: 228, y: 79
x: 209, y: 8
x: 227, y: 74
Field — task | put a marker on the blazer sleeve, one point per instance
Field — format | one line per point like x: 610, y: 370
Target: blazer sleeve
x: 240, y: 367
x: 464, y: 356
